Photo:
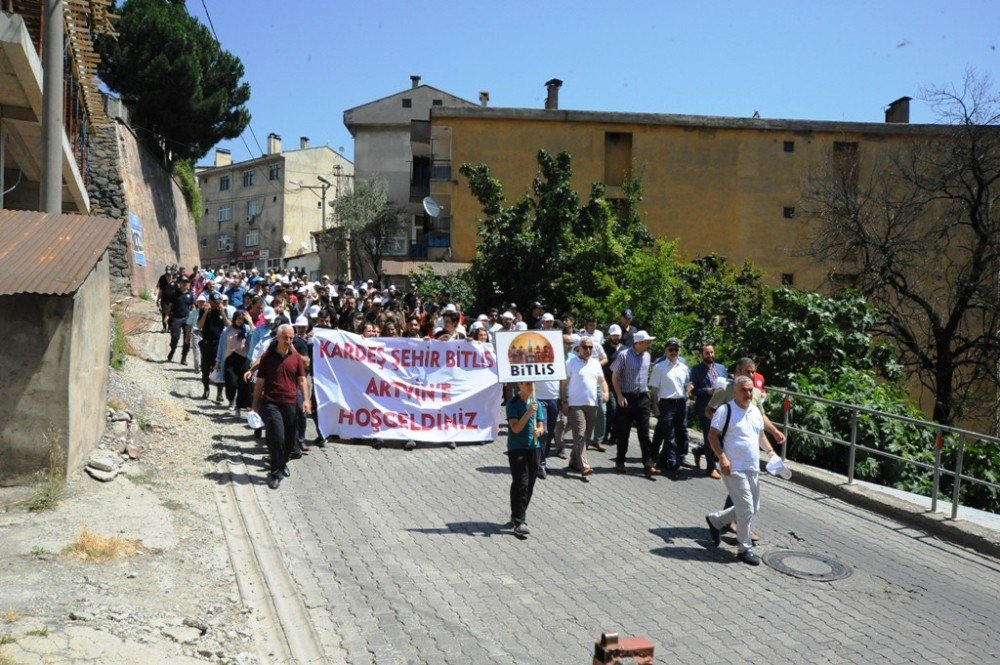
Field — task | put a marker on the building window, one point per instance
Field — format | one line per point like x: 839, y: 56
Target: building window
x: 617, y: 157
x: 253, y: 210
x: 407, y: 103
x: 440, y: 232
x: 225, y: 213
x: 204, y: 243
x: 437, y: 102
x: 787, y: 279
x: 274, y: 172
x: 789, y: 146
x: 225, y: 244
x: 223, y: 183
x: 273, y: 263
x: 253, y: 238
x: 788, y: 212
x: 248, y: 178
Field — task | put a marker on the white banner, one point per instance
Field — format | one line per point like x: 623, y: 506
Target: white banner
x: 405, y: 388
x: 530, y: 355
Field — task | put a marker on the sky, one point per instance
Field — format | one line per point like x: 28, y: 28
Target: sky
x: 307, y: 61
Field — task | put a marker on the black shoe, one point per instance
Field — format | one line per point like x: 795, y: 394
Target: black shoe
x: 521, y: 529
x: 285, y: 472
x: 542, y: 473
x: 509, y: 525
x: 716, y: 536
x: 410, y: 445
x: 296, y: 454
x: 451, y: 444
x: 749, y: 558
x: 273, y: 480
x: 320, y: 442
x: 184, y: 360
x: 204, y: 395
x: 258, y: 433
x: 170, y: 357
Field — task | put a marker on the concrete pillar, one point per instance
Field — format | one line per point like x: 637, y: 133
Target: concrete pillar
x: 53, y: 46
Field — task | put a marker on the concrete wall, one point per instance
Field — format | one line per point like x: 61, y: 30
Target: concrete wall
x: 90, y: 349
x: 126, y: 177
x: 35, y: 330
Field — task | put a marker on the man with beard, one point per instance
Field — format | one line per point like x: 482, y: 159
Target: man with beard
x: 706, y: 377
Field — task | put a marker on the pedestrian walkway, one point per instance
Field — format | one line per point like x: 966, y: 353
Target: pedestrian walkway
x: 400, y: 558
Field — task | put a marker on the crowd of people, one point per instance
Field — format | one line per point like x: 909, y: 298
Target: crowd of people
x: 249, y: 333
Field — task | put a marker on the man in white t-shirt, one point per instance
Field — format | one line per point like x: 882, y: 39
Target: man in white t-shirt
x: 581, y: 395
x: 737, y: 437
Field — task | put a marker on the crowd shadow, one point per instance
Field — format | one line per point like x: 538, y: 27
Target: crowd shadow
x: 705, y: 550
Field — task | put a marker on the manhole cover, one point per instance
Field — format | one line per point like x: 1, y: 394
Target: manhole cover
x: 806, y: 566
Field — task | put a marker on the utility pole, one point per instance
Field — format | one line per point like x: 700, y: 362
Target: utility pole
x: 53, y: 45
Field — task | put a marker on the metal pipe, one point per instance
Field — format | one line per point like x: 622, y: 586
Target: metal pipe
x: 854, y: 446
x: 938, y: 442
x: 957, y: 488
x: 52, y: 107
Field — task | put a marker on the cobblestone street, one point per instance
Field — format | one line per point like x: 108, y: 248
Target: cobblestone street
x: 400, y: 558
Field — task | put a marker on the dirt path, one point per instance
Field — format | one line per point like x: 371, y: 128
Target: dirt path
x: 176, y: 600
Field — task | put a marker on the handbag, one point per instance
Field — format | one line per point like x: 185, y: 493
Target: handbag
x: 216, y: 376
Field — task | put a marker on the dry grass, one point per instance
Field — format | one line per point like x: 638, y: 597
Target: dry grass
x: 94, y: 547
x: 6, y: 660
x: 10, y: 616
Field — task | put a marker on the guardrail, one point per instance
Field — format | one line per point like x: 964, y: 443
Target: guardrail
x: 963, y: 436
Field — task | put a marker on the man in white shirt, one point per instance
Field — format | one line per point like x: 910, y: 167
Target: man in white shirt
x: 669, y: 386
x: 737, y: 437
x: 581, y: 395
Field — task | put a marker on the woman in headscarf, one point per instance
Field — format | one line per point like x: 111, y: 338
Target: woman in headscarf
x: 234, y: 346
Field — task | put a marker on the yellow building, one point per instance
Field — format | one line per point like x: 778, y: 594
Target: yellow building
x: 717, y: 185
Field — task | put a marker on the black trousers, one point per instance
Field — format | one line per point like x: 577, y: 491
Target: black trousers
x: 635, y: 412
x: 236, y: 388
x: 208, y: 348
x: 610, y: 412
x: 706, y: 448
x: 178, y: 329
x: 523, y: 471
x: 279, y: 426
x: 671, y: 433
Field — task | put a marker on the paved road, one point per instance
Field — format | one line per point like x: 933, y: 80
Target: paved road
x: 400, y: 558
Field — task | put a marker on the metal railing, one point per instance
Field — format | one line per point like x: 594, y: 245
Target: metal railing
x: 963, y: 436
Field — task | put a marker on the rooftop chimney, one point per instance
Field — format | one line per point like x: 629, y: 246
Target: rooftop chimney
x: 303, y: 142
x: 552, y: 99
x: 273, y: 144
x: 414, y: 80
x: 484, y: 98
x: 898, y: 111
x: 223, y: 157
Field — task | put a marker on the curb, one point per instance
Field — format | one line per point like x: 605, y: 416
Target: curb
x: 276, y: 596
x: 977, y: 538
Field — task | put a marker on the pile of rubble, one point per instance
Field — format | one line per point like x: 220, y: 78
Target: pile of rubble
x: 118, y: 445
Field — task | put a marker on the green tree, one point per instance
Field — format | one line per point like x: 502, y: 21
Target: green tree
x: 183, y: 90
x: 547, y: 243
x: 368, y: 221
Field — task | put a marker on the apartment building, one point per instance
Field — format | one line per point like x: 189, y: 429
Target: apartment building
x: 260, y: 213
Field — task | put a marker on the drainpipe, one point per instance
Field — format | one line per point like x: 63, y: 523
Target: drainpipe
x: 52, y: 106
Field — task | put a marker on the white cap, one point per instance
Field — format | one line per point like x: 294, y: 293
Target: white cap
x: 520, y: 325
x: 313, y: 311
x: 641, y: 336
x: 476, y: 326
x: 325, y: 277
x: 482, y: 317
x: 201, y: 298
x: 269, y: 314
x: 574, y: 341
x: 507, y: 315
x: 301, y: 321
x: 614, y: 329
x: 547, y: 316
x: 450, y: 307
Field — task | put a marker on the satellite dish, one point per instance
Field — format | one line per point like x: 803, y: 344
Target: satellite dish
x: 431, y: 207
x: 286, y: 239
x: 305, y: 245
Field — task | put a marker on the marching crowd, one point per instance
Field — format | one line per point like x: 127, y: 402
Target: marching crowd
x: 249, y: 334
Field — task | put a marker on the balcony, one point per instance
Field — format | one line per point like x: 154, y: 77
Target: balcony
x: 441, y: 170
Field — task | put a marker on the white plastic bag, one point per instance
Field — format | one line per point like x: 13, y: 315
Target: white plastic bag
x: 216, y: 376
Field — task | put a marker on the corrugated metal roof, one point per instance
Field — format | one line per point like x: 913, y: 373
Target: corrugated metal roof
x: 50, y: 253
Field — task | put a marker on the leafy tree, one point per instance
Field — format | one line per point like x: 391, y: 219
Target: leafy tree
x: 183, y: 90
x: 454, y: 287
x: 366, y: 219
x: 921, y: 230
x: 804, y: 332
x: 184, y: 172
x: 547, y: 243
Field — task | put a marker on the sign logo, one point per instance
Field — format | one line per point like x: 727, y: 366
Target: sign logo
x: 533, y: 355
